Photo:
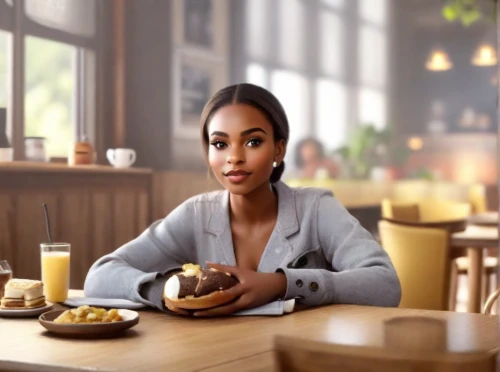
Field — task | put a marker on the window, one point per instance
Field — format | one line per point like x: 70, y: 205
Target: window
x: 257, y: 40
x: 334, y: 3
x: 257, y: 75
x: 372, y: 57
x: 74, y: 16
x: 331, y: 37
x: 372, y: 108
x: 50, y: 95
x: 331, y: 106
x: 374, y: 11
x: 323, y: 95
x: 292, y: 90
x: 4, y: 67
x: 292, y: 33
x: 60, y: 40
x: 373, y: 63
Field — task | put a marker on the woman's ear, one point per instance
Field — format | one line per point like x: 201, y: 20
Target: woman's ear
x: 280, y: 151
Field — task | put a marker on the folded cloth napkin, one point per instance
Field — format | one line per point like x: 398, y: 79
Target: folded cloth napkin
x: 275, y: 308
x: 104, y: 302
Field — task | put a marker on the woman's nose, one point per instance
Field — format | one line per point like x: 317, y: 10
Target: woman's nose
x: 236, y: 156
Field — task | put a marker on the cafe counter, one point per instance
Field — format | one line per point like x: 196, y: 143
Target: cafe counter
x: 95, y: 208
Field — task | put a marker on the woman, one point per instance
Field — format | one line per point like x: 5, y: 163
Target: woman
x: 310, y: 160
x: 279, y: 242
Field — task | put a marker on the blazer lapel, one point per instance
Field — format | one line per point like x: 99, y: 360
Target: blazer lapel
x: 220, y: 226
x: 287, y: 224
x: 278, y: 246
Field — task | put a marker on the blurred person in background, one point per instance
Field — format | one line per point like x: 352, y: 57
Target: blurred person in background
x: 311, y: 162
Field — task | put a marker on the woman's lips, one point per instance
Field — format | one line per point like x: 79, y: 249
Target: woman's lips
x: 237, y: 176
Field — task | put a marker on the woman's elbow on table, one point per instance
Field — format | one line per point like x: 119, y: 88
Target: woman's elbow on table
x: 392, y: 291
x: 93, y: 285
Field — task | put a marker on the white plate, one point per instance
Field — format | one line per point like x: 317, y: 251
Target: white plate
x: 26, y: 312
x: 114, y: 303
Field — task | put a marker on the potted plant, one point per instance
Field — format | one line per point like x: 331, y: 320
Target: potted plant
x: 468, y: 11
x: 356, y: 152
x: 374, y: 153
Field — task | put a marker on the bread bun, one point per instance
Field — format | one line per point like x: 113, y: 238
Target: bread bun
x: 196, y: 288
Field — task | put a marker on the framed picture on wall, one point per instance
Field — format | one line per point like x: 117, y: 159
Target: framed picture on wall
x: 201, y: 24
x: 196, y: 77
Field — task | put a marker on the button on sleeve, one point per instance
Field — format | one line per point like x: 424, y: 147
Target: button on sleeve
x: 307, y: 285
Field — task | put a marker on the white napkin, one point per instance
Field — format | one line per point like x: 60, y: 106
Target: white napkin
x: 275, y: 308
x: 104, y: 302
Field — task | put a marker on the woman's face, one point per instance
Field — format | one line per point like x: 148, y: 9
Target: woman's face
x: 242, y: 148
x: 309, y: 153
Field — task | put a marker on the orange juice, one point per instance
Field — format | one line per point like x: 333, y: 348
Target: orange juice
x: 55, y: 275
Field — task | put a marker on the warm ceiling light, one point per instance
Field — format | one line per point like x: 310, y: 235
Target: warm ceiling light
x: 438, y: 61
x: 485, y: 55
x: 415, y: 143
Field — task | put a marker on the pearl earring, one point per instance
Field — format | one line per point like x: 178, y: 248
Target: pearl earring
x: 275, y: 165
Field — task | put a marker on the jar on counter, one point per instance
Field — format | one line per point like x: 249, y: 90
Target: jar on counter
x: 81, y: 153
x: 34, y: 149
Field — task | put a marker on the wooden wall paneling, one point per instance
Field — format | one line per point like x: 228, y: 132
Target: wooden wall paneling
x: 102, y: 224
x: 143, y: 212
x: 31, y: 231
x: 158, y: 196
x: 75, y: 227
x: 7, y: 224
x: 96, y: 209
x: 124, y: 217
x: 170, y: 189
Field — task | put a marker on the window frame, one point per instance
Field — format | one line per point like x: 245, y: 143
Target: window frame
x: 87, y: 105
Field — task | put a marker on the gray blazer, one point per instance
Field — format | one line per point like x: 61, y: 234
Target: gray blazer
x: 324, y: 252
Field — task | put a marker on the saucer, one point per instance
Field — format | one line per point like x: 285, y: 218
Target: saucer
x: 21, y: 313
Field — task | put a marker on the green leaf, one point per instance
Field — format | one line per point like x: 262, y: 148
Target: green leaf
x: 470, y: 17
x: 449, y: 13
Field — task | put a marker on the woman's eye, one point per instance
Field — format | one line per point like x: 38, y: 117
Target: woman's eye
x: 254, y: 142
x: 219, y: 144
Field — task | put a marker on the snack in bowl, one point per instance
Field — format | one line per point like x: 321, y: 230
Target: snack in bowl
x: 88, y: 314
x: 196, y: 288
x: 22, y: 294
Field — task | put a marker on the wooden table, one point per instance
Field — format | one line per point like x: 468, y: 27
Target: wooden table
x: 484, y: 219
x: 475, y: 239
x: 170, y: 343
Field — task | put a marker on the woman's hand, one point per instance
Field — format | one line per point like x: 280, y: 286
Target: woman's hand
x: 254, y: 289
x: 174, y: 308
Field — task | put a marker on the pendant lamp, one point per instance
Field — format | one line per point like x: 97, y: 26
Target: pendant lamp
x: 438, y: 61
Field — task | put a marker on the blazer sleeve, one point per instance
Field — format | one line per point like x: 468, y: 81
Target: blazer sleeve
x: 363, y: 273
x: 137, y: 270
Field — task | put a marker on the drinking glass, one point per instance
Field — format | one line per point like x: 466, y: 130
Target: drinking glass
x: 5, y: 275
x: 55, y: 270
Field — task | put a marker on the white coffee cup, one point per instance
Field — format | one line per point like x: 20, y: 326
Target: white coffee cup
x: 6, y: 154
x: 121, y: 158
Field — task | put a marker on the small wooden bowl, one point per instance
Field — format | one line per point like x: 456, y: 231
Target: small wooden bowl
x: 92, y: 330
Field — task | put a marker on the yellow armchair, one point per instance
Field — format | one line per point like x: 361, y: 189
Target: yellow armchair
x: 427, y: 210
x: 421, y: 259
